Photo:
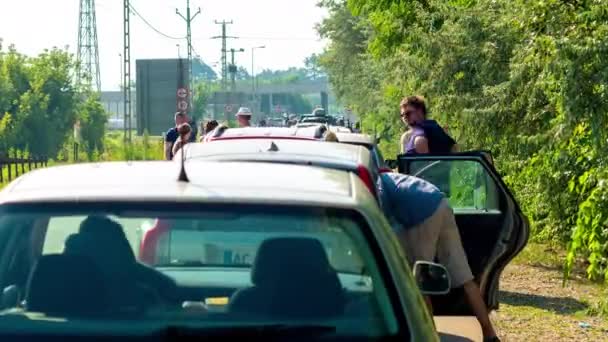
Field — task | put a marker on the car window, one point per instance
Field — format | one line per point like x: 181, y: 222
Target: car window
x: 61, y: 227
x: 231, y: 263
x: 466, y: 183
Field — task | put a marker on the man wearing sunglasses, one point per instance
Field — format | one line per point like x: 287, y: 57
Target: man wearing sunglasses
x: 424, y: 135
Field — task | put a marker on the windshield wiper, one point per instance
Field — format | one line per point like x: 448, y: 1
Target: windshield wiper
x: 251, y: 330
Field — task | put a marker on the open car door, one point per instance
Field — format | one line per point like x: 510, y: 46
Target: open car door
x: 492, y: 227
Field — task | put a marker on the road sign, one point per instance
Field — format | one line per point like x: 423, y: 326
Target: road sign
x: 182, y: 105
x: 182, y: 93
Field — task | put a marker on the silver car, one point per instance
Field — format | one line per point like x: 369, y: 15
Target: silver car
x: 208, y: 250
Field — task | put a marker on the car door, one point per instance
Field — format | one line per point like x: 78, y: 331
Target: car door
x: 492, y: 227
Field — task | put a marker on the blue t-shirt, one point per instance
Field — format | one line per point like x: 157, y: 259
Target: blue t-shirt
x: 407, y: 199
x: 171, y: 135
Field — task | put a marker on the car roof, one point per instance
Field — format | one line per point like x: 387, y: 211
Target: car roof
x: 320, y: 153
x: 355, y: 138
x: 307, y: 133
x: 224, y: 182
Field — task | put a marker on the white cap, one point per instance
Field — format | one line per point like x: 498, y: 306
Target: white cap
x: 244, y: 111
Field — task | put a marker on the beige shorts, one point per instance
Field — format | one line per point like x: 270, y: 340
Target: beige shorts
x: 438, y: 236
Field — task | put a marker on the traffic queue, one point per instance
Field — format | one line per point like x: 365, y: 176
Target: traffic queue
x: 303, y: 232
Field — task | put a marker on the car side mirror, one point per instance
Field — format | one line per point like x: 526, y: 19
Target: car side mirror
x: 10, y: 297
x: 432, y: 278
x: 391, y: 163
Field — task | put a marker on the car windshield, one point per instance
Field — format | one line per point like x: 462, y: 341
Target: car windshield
x: 201, y: 264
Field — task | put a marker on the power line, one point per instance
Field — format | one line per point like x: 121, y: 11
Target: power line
x: 152, y: 26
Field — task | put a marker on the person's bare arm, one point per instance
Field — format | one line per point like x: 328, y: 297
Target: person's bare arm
x: 421, y: 144
x: 168, y: 147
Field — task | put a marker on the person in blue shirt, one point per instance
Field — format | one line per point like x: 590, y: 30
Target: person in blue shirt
x: 426, y: 228
x: 172, y: 134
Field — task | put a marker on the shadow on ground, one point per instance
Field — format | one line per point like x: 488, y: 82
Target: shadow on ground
x: 560, y: 305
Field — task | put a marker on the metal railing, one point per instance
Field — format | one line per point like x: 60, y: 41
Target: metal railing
x: 14, y: 164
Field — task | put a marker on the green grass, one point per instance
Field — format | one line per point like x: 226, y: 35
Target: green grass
x: 141, y: 148
x: 536, y: 305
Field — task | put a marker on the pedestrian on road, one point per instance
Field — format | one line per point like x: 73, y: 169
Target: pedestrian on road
x: 209, y: 126
x: 243, y: 117
x: 172, y: 135
x: 185, y: 131
x: 426, y: 228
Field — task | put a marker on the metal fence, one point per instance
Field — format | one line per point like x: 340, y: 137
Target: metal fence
x: 14, y: 164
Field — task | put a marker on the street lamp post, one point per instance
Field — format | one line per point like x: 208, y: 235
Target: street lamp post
x: 253, y: 89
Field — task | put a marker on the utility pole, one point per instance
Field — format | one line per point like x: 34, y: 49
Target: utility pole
x: 254, y: 96
x: 224, y: 37
x: 233, y: 68
x: 126, y: 85
x: 88, y: 49
x: 121, y: 79
x: 188, y: 18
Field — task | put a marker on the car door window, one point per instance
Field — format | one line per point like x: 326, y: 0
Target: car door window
x: 466, y: 183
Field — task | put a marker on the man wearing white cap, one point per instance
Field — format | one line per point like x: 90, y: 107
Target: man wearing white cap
x: 243, y: 117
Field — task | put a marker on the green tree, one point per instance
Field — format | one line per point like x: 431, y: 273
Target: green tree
x: 202, y: 94
x: 93, y: 119
x: 524, y: 79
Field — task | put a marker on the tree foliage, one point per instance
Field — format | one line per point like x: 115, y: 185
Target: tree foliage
x: 525, y: 79
x: 40, y: 102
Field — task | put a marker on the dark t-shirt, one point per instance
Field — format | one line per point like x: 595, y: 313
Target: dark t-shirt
x: 171, y: 137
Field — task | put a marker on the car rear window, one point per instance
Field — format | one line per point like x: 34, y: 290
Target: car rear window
x: 206, y: 264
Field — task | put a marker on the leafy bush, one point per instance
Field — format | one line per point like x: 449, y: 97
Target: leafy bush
x: 525, y: 79
x: 40, y: 103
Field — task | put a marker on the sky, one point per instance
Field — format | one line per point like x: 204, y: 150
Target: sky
x: 285, y: 27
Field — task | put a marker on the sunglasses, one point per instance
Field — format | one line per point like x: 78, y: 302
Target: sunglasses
x: 407, y: 113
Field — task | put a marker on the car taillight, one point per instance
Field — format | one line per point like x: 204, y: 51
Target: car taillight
x: 149, y: 243
x: 366, y: 177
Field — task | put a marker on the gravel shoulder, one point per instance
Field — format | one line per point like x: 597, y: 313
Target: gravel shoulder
x: 535, y: 306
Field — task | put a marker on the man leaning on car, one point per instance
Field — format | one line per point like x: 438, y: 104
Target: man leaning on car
x: 428, y: 229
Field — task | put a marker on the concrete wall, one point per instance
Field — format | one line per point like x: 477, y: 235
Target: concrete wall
x: 157, y: 84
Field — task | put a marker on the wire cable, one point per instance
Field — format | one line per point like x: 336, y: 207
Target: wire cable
x: 152, y: 26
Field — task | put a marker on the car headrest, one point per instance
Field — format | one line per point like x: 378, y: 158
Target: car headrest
x: 104, y: 241
x: 290, y: 259
x: 66, y: 285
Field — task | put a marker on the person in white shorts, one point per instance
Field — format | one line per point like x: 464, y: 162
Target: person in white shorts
x: 426, y: 228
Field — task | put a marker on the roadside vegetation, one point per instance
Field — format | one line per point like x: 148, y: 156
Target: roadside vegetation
x: 524, y: 79
x: 40, y: 103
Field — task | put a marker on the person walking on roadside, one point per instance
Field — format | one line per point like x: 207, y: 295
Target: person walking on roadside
x: 172, y: 135
x: 426, y: 228
x: 243, y: 117
x: 185, y: 131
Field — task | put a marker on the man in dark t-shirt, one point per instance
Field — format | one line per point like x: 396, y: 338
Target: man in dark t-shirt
x: 172, y: 135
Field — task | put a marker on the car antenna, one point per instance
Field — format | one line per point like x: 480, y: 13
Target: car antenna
x: 273, y: 147
x: 183, y: 177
